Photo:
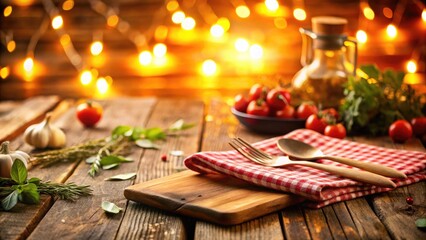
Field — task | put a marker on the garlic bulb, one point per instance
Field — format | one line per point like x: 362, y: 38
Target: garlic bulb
x: 7, y: 158
x: 44, y: 135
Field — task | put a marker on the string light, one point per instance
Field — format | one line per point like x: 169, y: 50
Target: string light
x: 188, y: 23
x: 368, y: 13
x: 102, y: 84
x: 209, y: 67
x: 391, y: 31
x: 159, y: 50
x: 145, y: 58
x: 241, y: 45
x: 4, y: 72
x: 86, y: 77
x: 7, y: 11
x: 172, y: 5
x: 242, y: 11
x: 411, y: 66
x: 68, y: 5
x: 424, y: 15
x: 29, y: 64
x: 96, y: 48
x: 178, y: 17
x: 361, y: 36
x: 11, y: 45
x: 113, y: 20
x: 272, y: 5
x: 299, y: 14
x: 57, y: 22
x: 256, y: 51
x: 217, y: 31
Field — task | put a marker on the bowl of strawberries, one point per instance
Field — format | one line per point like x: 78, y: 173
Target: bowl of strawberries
x: 270, y: 111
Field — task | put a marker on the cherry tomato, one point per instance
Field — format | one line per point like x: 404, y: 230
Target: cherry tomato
x: 276, y: 99
x: 330, y: 112
x: 286, y: 94
x: 89, y: 113
x: 335, y: 131
x: 400, y: 131
x: 240, y: 103
x: 258, y: 107
x: 314, y: 122
x: 257, y: 91
x: 287, y: 112
x: 419, y: 126
x: 305, y: 110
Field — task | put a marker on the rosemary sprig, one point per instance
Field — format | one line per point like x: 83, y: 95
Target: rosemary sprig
x: 65, y: 191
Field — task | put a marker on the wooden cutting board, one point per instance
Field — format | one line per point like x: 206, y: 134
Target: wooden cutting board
x: 215, y: 198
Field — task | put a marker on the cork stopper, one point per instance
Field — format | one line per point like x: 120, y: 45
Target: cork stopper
x: 328, y: 25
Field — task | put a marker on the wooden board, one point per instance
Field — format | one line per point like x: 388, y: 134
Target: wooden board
x: 215, y: 198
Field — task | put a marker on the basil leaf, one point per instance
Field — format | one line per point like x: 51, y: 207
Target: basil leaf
x: 18, y: 172
x: 10, y: 201
x: 34, y: 180
x: 110, y: 207
x: 120, y: 130
x: 30, y: 194
x: 121, y: 177
x: 112, y: 159
x: 91, y: 159
x: 421, y: 223
x: 137, y: 133
x: 148, y: 144
x: 180, y: 125
x: 155, y: 134
x: 107, y: 167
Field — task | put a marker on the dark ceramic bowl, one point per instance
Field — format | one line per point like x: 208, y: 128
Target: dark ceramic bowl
x: 268, y: 125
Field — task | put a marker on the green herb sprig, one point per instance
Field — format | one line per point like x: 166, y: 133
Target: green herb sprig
x: 374, y: 101
x: 107, y: 153
x: 20, y: 189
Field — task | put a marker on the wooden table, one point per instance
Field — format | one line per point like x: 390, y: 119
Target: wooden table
x: 381, y: 216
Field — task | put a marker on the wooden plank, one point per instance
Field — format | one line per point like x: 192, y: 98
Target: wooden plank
x: 156, y: 223
x: 294, y: 223
x: 85, y: 218
x: 14, y: 121
x: 396, y: 214
x: 317, y: 224
x: 345, y: 220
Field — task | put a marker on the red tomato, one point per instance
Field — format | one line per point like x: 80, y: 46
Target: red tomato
x: 419, y: 126
x: 287, y: 112
x: 314, y: 122
x: 89, y: 113
x: 276, y: 99
x: 330, y: 112
x: 258, y: 107
x: 305, y: 110
x: 336, y: 131
x: 240, y: 103
x: 286, y: 94
x: 257, y: 91
x: 400, y: 131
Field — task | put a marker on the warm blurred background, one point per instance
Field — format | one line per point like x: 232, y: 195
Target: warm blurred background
x: 195, y: 48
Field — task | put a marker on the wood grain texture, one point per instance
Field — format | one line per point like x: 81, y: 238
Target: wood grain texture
x: 14, y: 120
x: 294, y: 223
x: 216, y: 198
x: 85, y: 219
x: 157, y: 222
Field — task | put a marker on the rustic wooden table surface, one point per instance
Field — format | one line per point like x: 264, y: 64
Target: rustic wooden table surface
x: 381, y: 216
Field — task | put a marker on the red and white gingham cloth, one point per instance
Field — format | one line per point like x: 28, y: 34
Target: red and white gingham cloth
x: 319, y: 187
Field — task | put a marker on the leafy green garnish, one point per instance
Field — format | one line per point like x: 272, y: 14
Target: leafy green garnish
x: 110, y: 207
x: 374, y: 101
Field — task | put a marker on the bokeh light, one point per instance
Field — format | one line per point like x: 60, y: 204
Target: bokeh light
x: 29, y: 64
x: 391, y: 31
x: 241, y: 45
x: 411, y: 66
x: 361, y: 36
x: 217, y: 31
x: 57, y: 22
x: 256, y: 51
x: 145, y: 58
x: 159, y: 50
x: 242, y: 11
x: 188, y: 23
x: 299, y: 14
x: 7, y: 11
x: 96, y: 48
x: 4, y: 72
x: 209, y: 67
x: 178, y: 17
x: 368, y: 13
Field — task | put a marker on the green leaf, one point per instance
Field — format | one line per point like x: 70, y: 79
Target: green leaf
x: 10, y: 201
x: 110, y: 207
x: 30, y: 194
x: 137, y: 133
x: 155, y: 134
x: 112, y: 159
x: 180, y: 125
x: 121, y: 177
x: 107, y: 167
x: 148, y: 144
x: 91, y: 159
x: 421, y: 223
x: 34, y: 180
x: 121, y: 130
x: 371, y: 70
x: 18, y: 172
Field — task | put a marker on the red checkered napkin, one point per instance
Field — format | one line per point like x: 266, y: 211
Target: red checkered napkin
x: 319, y: 187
